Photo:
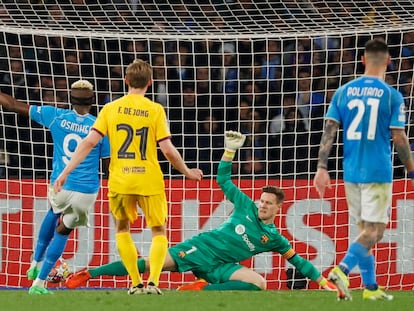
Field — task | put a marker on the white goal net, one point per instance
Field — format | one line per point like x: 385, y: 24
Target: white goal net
x: 266, y: 68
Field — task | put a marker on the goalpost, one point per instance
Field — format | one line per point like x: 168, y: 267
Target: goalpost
x: 266, y: 68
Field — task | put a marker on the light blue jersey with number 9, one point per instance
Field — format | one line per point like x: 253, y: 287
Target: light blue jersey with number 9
x: 367, y: 108
x: 68, y: 129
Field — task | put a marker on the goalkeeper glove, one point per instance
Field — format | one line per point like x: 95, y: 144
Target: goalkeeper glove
x: 232, y: 141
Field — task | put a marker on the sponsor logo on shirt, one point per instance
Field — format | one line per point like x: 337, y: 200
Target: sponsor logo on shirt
x: 240, y: 230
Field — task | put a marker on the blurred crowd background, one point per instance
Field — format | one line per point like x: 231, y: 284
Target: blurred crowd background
x: 273, y: 87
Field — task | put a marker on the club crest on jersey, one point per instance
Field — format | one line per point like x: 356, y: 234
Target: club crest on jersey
x: 264, y: 239
x: 240, y: 229
x: 181, y: 254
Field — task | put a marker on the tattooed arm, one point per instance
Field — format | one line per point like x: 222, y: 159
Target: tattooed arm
x: 327, y: 140
x: 403, y: 149
x: 322, y: 180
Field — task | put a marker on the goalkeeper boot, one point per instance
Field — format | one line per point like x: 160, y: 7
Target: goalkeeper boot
x: 329, y: 286
x: 32, y: 273
x: 376, y: 295
x: 338, y: 277
x: 196, y: 285
x: 37, y: 290
x: 153, y: 289
x: 78, y: 279
x: 137, y: 290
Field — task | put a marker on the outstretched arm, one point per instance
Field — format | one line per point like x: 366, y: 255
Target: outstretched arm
x: 14, y: 105
x: 308, y: 270
x: 174, y: 157
x: 322, y: 179
x: 232, y: 142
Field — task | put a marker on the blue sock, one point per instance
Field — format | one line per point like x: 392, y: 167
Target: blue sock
x: 54, y: 251
x: 367, y: 267
x: 46, y: 232
x: 355, y: 252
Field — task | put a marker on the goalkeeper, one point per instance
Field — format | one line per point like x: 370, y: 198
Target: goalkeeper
x: 213, y: 256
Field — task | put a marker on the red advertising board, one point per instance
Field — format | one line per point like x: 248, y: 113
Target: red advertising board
x: 318, y: 229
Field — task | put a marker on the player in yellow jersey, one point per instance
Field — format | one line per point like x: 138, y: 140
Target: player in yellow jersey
x: 135, y: 125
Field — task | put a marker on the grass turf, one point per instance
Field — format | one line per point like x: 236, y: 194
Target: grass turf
x: 103, y: 300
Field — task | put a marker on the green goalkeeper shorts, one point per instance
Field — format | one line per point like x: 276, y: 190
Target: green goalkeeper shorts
x: 188, y: 258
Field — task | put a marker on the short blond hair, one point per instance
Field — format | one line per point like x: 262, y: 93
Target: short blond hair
x: 82, y: 84
x: 139, y: 74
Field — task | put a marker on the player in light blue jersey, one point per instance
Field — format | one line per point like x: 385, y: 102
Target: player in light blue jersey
x: 68, y: 208
x: 371, y: 113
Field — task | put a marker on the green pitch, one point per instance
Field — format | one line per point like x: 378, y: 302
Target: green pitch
x: 117, y: 300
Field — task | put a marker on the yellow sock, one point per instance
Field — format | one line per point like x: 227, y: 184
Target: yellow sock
x: 128, y: 253
x: 157, y: 254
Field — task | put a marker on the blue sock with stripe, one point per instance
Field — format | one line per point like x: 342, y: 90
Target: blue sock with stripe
x: 355, y: 252
x: 367, y: 268
x: 53, y: 253
x: 47, y: 229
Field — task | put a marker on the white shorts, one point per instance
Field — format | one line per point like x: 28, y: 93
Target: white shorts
x: 369, y: 202
x: 74, y: 206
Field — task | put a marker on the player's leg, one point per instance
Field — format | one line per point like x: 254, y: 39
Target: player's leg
x: 53, y: 253
x: 47, y: 228
x: 367, y: 263
x: 247, y: 282
x: 123, y: 209
x: 226, y: 277
x: 115, y: 268
x: 244, y: 279
x: 339, y: 274
x: 375, y: 215
x: 74, y: 207
x: 155, y: 211
x: 369, y: 205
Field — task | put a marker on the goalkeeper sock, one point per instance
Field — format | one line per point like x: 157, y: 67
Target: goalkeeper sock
x: 157, y: 253
x: 367, y: 268
x: 47, y: 229
x: 128, y: 254
x: 141, y: 265
x: 355, y: 253
x: 232, y: 285
x: 54, y: 251
x: 115, y: 268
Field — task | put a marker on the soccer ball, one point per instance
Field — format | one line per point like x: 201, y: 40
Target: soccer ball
x: 60, y: 272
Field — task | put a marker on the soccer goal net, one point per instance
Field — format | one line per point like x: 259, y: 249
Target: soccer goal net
x: 265, y: 68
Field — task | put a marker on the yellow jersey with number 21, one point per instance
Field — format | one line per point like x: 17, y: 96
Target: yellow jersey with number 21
x: 134, y: 125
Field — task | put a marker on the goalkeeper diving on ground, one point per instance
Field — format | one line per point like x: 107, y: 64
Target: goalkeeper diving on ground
x: 214, y: 256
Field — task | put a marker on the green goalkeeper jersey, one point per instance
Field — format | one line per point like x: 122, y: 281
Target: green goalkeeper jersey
x: 240, y: 237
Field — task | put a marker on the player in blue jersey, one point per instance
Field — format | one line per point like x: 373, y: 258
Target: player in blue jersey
x: 68, y: 208
x: 371, y: 113
x: 214, y: 256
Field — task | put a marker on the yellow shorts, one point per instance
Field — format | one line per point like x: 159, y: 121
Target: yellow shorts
x: 154, y: 207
